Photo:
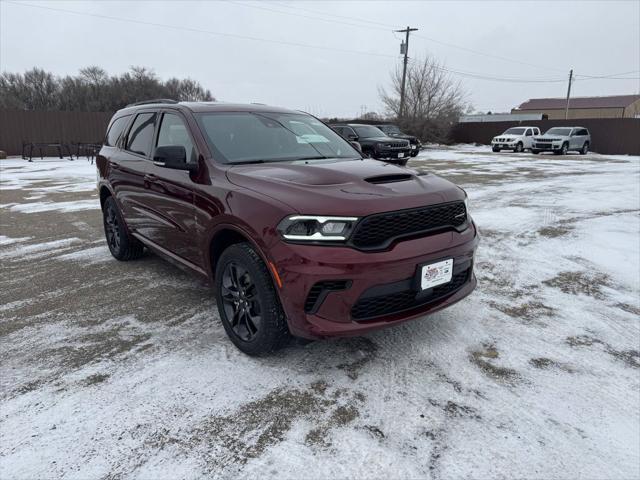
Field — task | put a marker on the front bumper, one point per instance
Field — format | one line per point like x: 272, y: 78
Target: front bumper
x: 547, y: 146
x: 367, y: 274
x: 393, y: 153
x: 507, y: 145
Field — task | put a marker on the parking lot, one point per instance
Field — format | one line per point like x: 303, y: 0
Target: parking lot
x: 123, y: 370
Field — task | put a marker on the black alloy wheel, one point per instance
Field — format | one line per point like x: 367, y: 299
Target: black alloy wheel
x: 122, y: 245
x: 241, y: 301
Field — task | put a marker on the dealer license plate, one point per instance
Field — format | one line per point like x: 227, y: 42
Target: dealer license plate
x: 436, y: 274
x: 400, y: 154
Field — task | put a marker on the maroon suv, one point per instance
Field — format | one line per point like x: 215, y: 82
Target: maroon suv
x: 299, y: 234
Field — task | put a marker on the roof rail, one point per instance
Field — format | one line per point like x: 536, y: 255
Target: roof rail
x: 148, y: 102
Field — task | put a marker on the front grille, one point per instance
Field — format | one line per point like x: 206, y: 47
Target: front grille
x: 371, y: 307
x: 395, y: 145
x: 320, y: 290
x: 379, y: 230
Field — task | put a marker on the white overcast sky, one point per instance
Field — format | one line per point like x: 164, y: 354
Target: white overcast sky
x: 593, y: 37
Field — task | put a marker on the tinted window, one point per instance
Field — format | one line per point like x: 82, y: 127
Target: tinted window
x: 564, y: 132
x: 367, y: 131
x: 141, y: 134
x: 582, y: 131
x: 270, y: 137
x: 116, y: 130
x: 173, y: 131
x: 348, y: 131
x: 528, y: 134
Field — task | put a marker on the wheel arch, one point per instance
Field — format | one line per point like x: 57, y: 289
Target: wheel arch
x: 226, y: 235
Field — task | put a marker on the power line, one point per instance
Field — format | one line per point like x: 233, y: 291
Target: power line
x: 459, y: 47
x: 361, y: 20
x: 489, y: 55
x: 472, y: 75
x: 613, y: 76
x: 198, y: 30
x: 260, y: 7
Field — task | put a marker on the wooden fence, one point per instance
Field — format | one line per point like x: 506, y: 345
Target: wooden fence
x: 609, y: 135
x: 18, y: 126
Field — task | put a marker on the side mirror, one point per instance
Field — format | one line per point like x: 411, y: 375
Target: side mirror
x: 353, y: 138
x: 356, y: 145
x: 173, y: 156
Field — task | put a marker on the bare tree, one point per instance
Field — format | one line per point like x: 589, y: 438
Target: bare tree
x: 92, y: 90
x: 433, y: 99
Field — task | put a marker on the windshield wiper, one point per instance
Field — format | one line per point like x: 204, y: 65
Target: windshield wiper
x: 313, y: 158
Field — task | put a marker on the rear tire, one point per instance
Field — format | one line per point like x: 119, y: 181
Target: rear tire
x: 249, y: 307
x: 585, y: 148
x: 122, y: 245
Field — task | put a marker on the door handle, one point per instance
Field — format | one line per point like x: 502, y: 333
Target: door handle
x: 151, y: 178
x: 114, y: 166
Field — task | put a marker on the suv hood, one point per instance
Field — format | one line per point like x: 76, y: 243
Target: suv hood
x: 383, y: 139
x: 344, y: 187
x: 404, y: 136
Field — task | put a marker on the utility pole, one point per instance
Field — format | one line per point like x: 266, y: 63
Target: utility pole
x: 404, y: 48
x: 566, y: 110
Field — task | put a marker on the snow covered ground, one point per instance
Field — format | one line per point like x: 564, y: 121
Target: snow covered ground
x: 122, y: 370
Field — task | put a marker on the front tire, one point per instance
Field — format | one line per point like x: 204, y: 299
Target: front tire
x: 563, y: 150
x: 534, y: 151
x: 495, y: 149
x: 122, y: 245
x: 519, y: 148
x: 249, y: 307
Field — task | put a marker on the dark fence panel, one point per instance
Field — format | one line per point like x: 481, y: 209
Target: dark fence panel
x: 17, y: 126
x: 608, y: 135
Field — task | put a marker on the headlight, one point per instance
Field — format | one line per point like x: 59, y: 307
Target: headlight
x: 466, y: 201
x: 316, y: 228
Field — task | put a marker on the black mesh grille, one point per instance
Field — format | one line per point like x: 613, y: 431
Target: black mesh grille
x: 370, y: 307
x: 320, y: 290
x: 377, y: 231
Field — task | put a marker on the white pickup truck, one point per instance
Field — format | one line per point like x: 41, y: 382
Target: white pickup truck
x: 517, y: 139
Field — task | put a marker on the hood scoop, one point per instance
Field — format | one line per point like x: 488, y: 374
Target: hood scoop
x: 381, y: 179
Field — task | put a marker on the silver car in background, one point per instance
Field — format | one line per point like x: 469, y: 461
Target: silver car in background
x: 561, y: 140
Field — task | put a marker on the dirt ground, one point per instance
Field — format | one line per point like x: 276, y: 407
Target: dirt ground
x: 123, y: 370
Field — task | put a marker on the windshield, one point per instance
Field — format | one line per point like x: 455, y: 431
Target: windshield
x: 392, y: 129
x: 247, y: 137
x: 367, y: 131
x: 514, y: 131
x: 563, y: 132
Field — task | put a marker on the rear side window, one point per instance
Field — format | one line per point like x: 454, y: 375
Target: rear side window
x: 115, y: 131
x: 141, y: 134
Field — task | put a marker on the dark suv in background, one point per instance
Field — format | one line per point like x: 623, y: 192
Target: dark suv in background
x: 395, y: 132
x: 375, y: 143
x: 296, y: 231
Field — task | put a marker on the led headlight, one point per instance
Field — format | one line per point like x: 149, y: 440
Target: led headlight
x: 316, y: 228
x: 466, y: 200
